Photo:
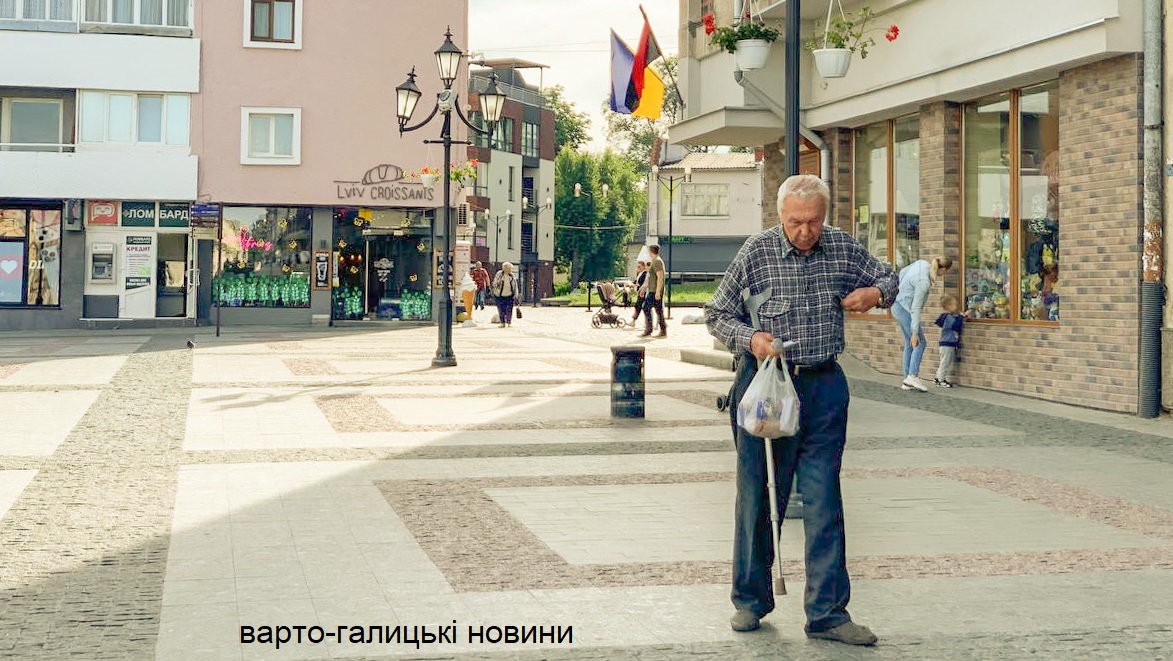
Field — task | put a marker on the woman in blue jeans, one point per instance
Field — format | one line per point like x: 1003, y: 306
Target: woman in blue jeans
x: 915, y: 281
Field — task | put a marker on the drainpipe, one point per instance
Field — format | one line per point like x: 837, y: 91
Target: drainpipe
x: 1152, y: 292
x: 777, y: 109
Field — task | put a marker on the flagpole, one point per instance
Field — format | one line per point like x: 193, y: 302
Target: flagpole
x: 675, y: 85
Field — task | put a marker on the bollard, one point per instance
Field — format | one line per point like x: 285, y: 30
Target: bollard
x: 627, y: 382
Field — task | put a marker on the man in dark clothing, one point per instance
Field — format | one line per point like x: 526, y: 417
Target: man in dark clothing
x: 655, y: 297
x: 793, y: 282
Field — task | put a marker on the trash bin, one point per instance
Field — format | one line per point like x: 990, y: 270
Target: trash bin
x: 627, y: 382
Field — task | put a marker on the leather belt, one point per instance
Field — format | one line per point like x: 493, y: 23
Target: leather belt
x: 797, y: 370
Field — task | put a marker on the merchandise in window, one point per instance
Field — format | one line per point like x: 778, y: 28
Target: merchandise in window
x: 30, y: 249
x: 272, y: 20
x: 265, y: 258
x: 1012, y: 205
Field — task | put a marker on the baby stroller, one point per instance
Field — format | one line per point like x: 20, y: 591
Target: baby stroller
x: 606, y: 315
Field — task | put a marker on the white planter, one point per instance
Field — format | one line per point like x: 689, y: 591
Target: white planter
x: 832, y: 62
x: 468, y: 182
x: 752, y: 54
x: 429, y: 180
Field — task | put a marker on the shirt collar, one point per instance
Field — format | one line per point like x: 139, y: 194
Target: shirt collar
x: 788, y: 248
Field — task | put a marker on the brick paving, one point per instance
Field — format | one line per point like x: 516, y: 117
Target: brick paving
x: 332, y: 477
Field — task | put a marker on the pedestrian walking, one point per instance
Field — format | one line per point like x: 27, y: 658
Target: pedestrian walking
x: 641, y: 289
x: 952, y: 323
x: 504, y: 289
x: 915, y: 280
x: 654, y: 300
x: 793, y: 282
x: 481, y: 277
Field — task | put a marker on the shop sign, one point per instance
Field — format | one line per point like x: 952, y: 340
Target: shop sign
x: 321, y: 269
x: 138, y: 214
x: 681, y: 239
x: 206, y: 215
x: 385, y: 185
x: 103, y: 212
x: 174, y: 214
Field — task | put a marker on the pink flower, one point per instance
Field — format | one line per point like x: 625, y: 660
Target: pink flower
x: 710, y: 24
x: 892, y: 33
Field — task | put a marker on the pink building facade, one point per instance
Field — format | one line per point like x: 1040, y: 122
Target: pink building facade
x: 298, y: 142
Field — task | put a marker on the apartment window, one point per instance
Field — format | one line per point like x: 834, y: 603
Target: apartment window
x: 512, y: 176
x: 171, y: 13
x: 704, y: 200
x: 31, y: 124
x: 270, y: 136
x: 272, y: 24
x: 37, y: 10
x: 887, y: 190
x: 1011, y: 212
x: 131, y: 118
x: 509, y: 243
x: 503, y: 135
x: 529, y: 140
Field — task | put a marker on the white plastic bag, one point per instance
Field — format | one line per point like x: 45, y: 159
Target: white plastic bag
x: 769, y: 408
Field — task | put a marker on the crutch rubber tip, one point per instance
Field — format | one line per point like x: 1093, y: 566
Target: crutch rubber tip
x: 779, y: 586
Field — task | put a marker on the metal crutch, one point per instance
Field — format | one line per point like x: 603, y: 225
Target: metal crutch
x: 772, y: 484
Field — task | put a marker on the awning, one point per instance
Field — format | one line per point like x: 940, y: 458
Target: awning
x: 731, y: 125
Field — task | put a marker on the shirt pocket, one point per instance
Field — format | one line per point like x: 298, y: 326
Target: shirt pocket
x: 774, y: 316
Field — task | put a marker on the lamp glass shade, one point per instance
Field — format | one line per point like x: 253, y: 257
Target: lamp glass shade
x: 407, y: 96
x: 492, y: 101
x: 448, y: 59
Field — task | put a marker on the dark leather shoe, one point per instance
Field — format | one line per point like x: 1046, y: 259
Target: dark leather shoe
x: 744, y: 620
x: 848, y: 633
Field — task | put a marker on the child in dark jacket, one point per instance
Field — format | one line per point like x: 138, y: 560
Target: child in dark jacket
x: 951, y: 323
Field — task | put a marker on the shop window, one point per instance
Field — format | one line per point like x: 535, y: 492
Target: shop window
x: 704, y: 200
x: 31, y: 124
x: 37, y: 10
x: 265, y: 258
x: 272, y: 24
x: 132, y: 119
x: 886, y: 190
x: 171, y: 13
x: 1011, y: 234
x: 30, y: 265
x: 270, y: 136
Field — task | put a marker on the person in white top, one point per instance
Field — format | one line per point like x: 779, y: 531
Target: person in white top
x: 504, y: 288
x: 915, y: 280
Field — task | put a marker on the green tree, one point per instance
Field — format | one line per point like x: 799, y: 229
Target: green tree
x: 634, y: 136
x: 593, y: 229
x: 570, y: 125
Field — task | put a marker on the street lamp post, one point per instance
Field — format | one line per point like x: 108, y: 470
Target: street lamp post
x: 535, y: 240
x: 672, y: 184
x: 579, y: 192
x: 407, y: 96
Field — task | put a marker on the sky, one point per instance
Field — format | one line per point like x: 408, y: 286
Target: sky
x: 572, y: 37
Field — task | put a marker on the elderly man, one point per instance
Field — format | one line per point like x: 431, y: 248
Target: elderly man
x: 793, y: 282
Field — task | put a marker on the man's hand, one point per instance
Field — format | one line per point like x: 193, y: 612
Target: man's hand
x: 862, y: 299
x: 915, y: 340
x: 761, y: 345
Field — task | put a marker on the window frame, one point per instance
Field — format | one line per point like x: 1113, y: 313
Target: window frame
x: 1014, y: 172
x: 890, y: 186
x: 688, y: 189
x: 529, y: 139
x: 6, y: 143
x: 18, y: 6
x: 246, y: 157
x: 29, y: 259
x: 137, y: 12
x: 251, y: 42
x: 106, y: 143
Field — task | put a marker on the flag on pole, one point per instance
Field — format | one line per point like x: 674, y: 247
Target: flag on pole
x: 636, y: 89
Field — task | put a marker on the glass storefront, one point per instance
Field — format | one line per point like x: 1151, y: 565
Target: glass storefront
x: 265, y: 258
x: 30, y: 265
x: 383, y: 261
x: 1011, y: 215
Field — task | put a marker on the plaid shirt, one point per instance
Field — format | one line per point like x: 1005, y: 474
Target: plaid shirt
x: 805, y: 291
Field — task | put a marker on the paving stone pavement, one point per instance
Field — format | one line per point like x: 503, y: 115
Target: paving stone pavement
x: 154, y: 499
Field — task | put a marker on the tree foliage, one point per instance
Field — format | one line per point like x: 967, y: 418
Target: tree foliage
x: 592, y: 230
x: 570, y: 125
x: 634, y: 136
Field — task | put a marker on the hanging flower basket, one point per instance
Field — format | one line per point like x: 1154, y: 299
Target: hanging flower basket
x: 429, y: 180
x: 832, y: 62
x: 751, y: 54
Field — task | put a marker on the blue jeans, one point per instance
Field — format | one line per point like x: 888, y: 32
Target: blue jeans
x: 816, y: 452
x: 479, y: 301
x: 912, y: 355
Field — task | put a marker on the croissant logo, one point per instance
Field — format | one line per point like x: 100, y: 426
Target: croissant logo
x: 382, y: 174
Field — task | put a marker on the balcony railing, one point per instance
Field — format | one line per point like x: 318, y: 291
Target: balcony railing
x: 480, y: 82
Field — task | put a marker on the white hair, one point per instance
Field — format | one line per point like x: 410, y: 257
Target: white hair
x: 507, y: 267
x: 803, y: 186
